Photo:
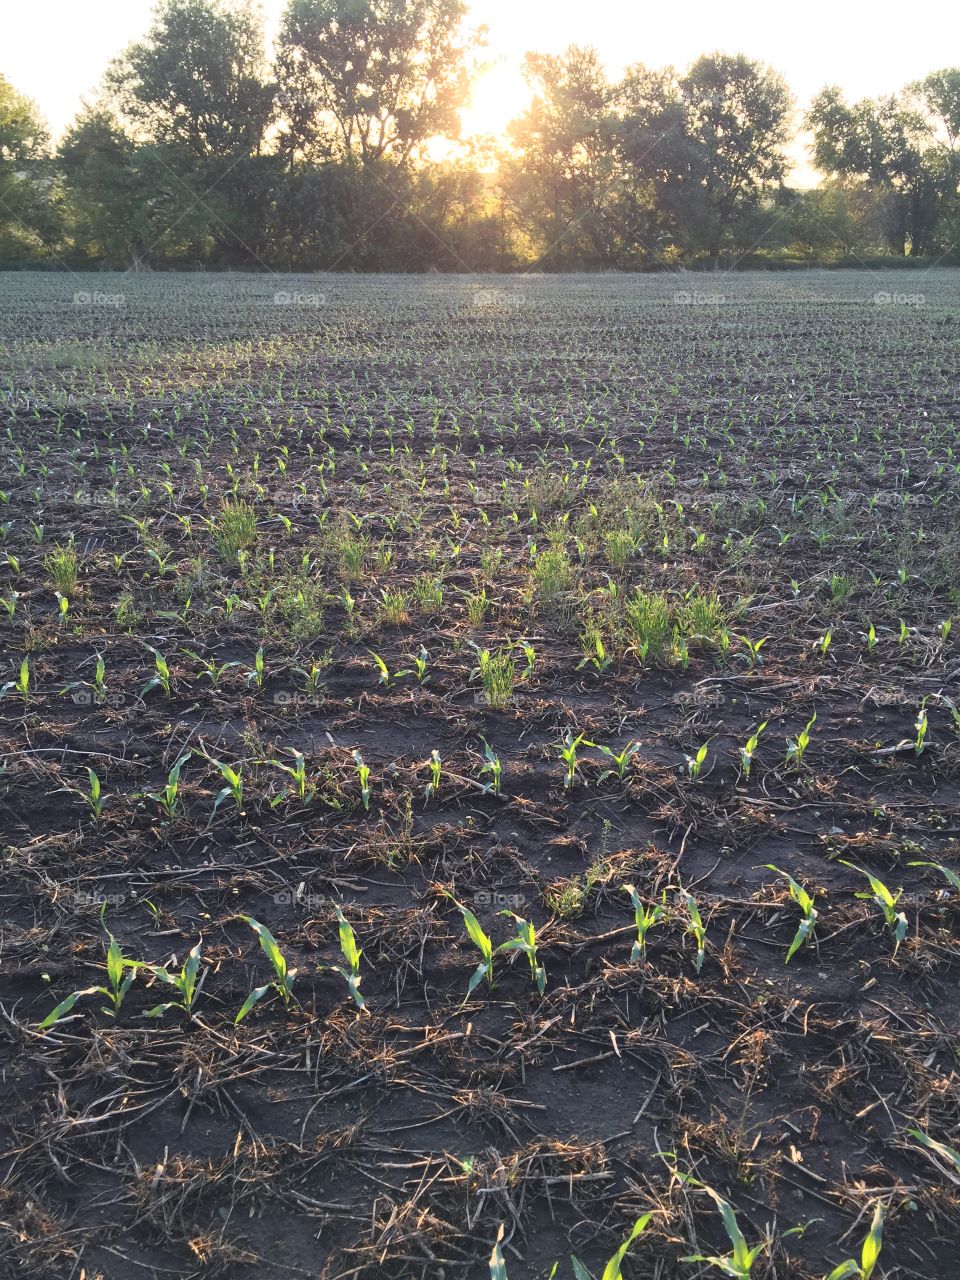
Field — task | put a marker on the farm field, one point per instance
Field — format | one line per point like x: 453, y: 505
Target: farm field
x: 533, y: 704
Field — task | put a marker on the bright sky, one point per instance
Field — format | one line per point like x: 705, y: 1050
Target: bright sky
x: 55, y: 51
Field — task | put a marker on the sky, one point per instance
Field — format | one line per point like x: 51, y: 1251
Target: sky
x: 56, y: 51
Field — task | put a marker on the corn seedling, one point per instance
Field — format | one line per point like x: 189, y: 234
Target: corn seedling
x: 493, y: 766
x: 808, y: 912
x: 22, y: 683
x: 283, y: 976
x: 436, y: 767
x: 595, y: 655
x: 951, y: 877
x: 695, y: 763
x: 183, y: 983
x: 695, y: 927
x: 256, y: 674
x: 386, y: 679
x: 869, y: 1253
x: 526, y: 941
x: 297, y: 772
x: 351, y: 954
x: 739, y: 1262
x: 94, y: 797
x: 363, y: 774
x: 752, y: 656
x: 645, y: 918
x: 568, y: 747
x: 233, y: 790
x: 896, y: 921
x: 161, y: 676
x: 796, y: 747
x: 168, y: 797
x: 949, y: 1155
x: 620, y: 761
x: 747, y: 752
x: 120, y: 975
x: 612, y: 1271
x: 920, y: 726
x: 483, y: 944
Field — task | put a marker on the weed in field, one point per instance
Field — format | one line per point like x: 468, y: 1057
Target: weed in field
x: 235, y: 528
x: 497, y: 675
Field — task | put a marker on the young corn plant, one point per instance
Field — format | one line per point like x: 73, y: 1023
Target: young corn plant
x: 568, y: 747
x: 645, y: 918
x: 808, y: 913
x: 896, y: 921
x: 435, y: 765
x: 283, y: 976
x: 350, y: 970
x: 620, y: 762
x: 482, y: 942
x: 161, y: 676
x: 612, y: 1271
x: 363, y: 775
x: 695, y: 763
x: 493, y: 766
x: 121, y: 972
x: 748, y: 751
x: 526, y: 941
x: 920, y: 727
x: 22, y: 683
x: 950, y: 876
x: 949, y: 1155
x: 168, y: 797
x: 183, y: 983
x: 869, y: 1252
x: 232, y: 791
x: 695, y: 927
x: 738, y: 1263
x: 93, y: 797
x: 301, y: 786
x: 797, y: 747
x: 257, y: 673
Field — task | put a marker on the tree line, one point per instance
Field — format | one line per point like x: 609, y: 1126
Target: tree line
x: 200, y: 151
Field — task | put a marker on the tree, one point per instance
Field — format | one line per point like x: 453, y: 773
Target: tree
x: 197, y: 82
x: 28, y: 218
x: 738, y: 116
x: 194, y: 95
x: 565, y: 182
x: 883, y: 145
x: 371, y: 78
